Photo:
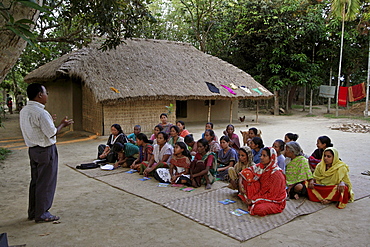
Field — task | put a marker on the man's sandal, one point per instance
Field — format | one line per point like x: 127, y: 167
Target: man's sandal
x: 51, y: 218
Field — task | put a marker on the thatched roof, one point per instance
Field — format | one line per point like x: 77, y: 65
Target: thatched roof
x: 150, y: 69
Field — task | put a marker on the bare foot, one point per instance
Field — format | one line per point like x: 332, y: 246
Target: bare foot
x: 325, y: 202
x: 296, y: 196
x: 194, y: 184
x: 208, y: 186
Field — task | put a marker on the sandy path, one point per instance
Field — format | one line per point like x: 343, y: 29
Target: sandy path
x: 95, y: 214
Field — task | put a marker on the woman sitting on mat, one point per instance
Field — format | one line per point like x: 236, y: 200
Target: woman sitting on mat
x: 331, y: 181
x: 234, y: 138
x: 245, y: 159
x: 203, y: 167
x: 183, y: 132
x: 175, y: 136
x: 126, y: 154
x: 192, y: 145
x: 164, y: 123
x: 158, y: 128
x: 256, y: 145
x: 262, y: 186
x: 117, y: 135
x: 162, y: 152
x: 297, y: 171
x: 279, y: 146
x: 214, y: 146
x: 253, y: 132
x: 322, y: 143
x: 209, y: 126
x: 226, y: 158
x: 145, y: 151
x: 290, y: 137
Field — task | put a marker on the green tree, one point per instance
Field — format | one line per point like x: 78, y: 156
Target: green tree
x: 68, y: 21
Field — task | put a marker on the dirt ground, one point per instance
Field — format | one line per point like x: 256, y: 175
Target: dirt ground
x: 96, y: 214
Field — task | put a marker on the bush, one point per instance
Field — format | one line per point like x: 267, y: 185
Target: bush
x: 4, y: 153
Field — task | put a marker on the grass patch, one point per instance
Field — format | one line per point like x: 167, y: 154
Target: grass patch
x: 4, y: 153
x: 307, y: 107
x: 346, y: 116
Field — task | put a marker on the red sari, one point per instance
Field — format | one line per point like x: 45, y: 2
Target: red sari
x: 265, y: 186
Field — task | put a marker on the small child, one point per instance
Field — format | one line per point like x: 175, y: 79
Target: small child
x: 279, y: 146
x: 180, y: 164
x: 179, y: 168
x: 132, y: 137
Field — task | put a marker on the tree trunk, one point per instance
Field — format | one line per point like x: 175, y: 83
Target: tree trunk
x: 311, y: 95
x: 304, y: 97
x: 291, y: 96
x: 11, y: 45
x: 276, y: 103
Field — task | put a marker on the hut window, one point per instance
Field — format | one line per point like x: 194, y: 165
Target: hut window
x: 206, y: 102
x: 181, y: 109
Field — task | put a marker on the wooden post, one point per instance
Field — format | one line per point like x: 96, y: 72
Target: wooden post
x: 276, y: 102
x: 231, y: 111
x: 209, y: 111
x: 257, y: 109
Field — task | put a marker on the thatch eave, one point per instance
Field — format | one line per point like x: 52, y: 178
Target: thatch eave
x: 184, y: 98
x: 150, y: 70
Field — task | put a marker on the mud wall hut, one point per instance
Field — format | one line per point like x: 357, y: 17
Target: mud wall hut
x: 134, y: 83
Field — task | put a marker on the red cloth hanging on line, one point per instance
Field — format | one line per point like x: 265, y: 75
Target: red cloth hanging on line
x: 356, y: 92
x: 342, y: 96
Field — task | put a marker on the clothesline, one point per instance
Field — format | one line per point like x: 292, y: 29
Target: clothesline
x: 232, y: 87
x: 346, y: 94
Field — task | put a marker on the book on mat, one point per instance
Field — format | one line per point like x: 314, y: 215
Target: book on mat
x: 163, y: 185
x: 239, y: 212
x: 226, y: 201
x: 187, y: 189
x: 131, y: 171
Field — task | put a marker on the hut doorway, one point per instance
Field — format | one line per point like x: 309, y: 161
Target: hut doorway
x: 181, y: 109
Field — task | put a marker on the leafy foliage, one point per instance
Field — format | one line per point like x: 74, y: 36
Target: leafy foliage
x: 4, y: 153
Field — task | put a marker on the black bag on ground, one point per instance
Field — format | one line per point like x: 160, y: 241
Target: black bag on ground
x: 88, y: 166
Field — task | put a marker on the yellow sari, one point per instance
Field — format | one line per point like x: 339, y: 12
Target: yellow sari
x: 337, y: 173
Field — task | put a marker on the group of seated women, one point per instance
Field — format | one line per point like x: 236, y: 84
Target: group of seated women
x: 265, y: 177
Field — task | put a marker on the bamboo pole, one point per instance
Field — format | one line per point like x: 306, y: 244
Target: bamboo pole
x: 231, y: 111
x: 366, y: 113
x: 257, y: 109
x: 209, y: 111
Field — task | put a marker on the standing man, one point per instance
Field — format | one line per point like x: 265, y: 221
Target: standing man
x: 39, y: 133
